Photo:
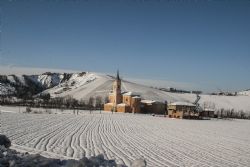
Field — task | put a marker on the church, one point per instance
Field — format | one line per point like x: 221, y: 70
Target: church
x: 122, y: 102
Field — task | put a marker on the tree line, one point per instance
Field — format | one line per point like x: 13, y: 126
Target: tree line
x: 97, y: 103
x: 231, y: 113
x: 68, y: 102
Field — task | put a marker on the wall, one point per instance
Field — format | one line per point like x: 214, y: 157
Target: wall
x: 111, y: 99
x: 123, y: 109
x: 136, y: 105
x: 180, y: 111
x: 127, y: 100
x: 156, y: 108
x: 108, y: 107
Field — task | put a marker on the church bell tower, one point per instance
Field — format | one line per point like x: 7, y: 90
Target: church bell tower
x: 117, y: 90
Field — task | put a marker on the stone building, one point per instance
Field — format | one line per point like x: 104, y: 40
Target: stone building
x: 122, y: 102
x: 182, y: 110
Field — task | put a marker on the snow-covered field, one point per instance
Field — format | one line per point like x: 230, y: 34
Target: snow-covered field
x: 125, y: 137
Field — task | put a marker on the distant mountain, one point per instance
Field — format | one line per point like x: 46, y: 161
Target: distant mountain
x: 86, y: 84
x: 34, y: 84
x: 21, y: 85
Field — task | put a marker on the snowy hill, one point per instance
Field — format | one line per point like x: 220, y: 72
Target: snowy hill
x: 244, y: 93
x: 15, y: 84
x: 100, y: 85
x: 84, y: 85
x: 93, y: 84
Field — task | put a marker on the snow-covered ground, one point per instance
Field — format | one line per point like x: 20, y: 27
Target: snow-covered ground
x: 125, y: 137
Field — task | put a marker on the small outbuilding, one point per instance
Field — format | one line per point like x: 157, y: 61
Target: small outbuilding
x: 207, y: 112
x: 151, y: 106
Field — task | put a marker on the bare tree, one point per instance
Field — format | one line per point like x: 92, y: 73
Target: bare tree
x: 221, y: 112
x: 28, y: 110
x: 82, y: 103
x: 106, y: 100
x: 98, y: 102
x: 90, y: 104
x: 242, y: 114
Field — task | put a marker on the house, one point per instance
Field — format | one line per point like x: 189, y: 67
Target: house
x: 122, y: 102
x: 151, y: 106
x: 182, y: 110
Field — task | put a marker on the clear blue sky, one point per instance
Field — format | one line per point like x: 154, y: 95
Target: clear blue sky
x: 206, y: 43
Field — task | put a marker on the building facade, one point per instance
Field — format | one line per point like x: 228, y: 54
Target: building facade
x: 182, y: 110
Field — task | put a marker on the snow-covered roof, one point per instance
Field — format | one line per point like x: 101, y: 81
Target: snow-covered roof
x: 180, y: 103
x: 122, y: 104
x: 131, y: 94
x: 148, y: 101
x: 109, y: 103
x: 209, y: 109
x: 136, y: 97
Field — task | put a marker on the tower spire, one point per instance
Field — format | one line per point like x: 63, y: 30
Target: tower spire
x: 117, y: 75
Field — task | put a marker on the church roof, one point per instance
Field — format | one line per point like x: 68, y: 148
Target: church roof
x: 148, y: 101
x: 180, y: 103
x: 122, y: 104
x: 209, y: 109
x: 131, y: 94
x: 109, y: 104
x: 136, y: 97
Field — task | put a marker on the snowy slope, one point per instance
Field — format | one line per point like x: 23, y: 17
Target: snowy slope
x: 228, y: 102
x: 10, y: 83
x: 47, y: 81
x: 245, y: 93
x: 93, y: 84
x: 17, y: 79
x: 6, y: 89
x: 79, y: 85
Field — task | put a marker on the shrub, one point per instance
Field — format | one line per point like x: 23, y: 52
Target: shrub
x: 28, y: 110
x: 48, y: 111
x: 4, y: 141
